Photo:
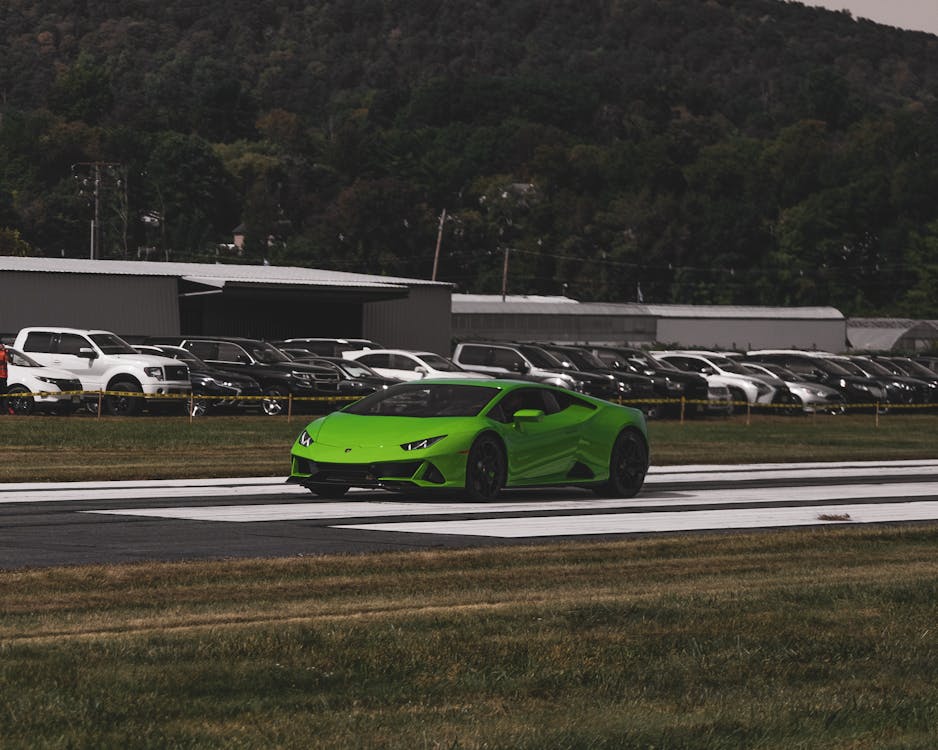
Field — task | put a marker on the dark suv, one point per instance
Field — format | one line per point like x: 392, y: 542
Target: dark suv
x: 278, y: 375
x: 670, y: 383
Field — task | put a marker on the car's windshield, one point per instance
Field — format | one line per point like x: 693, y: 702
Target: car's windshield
x: 851, y: 367
x: 184, y: 355
x: 357, y: 370
x: 540, y: 358
x: 782, y: 372
x: 874, y: 368
x: 761, y: 371
x: 425, y: 400
x: 585, y: 360
x: 831, y: 367
x: 16, y: 357
x: 911, y: 367
x: 728, y: 365
x: 108, y: 343
x: 442, y: 364
x: 268, y: 354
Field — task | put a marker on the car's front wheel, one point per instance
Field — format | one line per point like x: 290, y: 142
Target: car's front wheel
x: 19, y: 401
x: 628, y: 465
x: 274, y: 402
x: 122, y: 402
x: 486, y: 469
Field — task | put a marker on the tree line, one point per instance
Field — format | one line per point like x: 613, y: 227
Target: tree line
x: 702, y: 151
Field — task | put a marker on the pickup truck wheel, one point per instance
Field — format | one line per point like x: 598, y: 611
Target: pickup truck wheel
x: 124, y: 405
x: 274, y: 402
x: 19, y: 401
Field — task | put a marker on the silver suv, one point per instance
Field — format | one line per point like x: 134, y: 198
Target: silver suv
x: 524, y: 361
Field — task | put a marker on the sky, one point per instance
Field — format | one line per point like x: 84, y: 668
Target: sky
x: 919, y: 15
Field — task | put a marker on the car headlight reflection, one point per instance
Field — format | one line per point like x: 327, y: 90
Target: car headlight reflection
x: 419, y: 444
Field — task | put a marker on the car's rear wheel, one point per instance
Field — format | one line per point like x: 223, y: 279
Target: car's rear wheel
x: 123, y: 403
x: 486, y: 469
x: 333, y: 491
x: 19, y: 401
x: 628, y: 465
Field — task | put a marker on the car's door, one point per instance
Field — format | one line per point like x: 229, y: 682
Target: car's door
x: 391, y: 365
x: 89, y: 369
x: 543, y: 450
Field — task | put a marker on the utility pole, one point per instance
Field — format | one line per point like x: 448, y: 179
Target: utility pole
x: 439, y: 241
x: 93, y: 180
x: 505, y: 275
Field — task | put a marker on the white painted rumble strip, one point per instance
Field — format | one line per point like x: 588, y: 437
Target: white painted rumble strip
x: 637, y: 523
x: 369, y: 509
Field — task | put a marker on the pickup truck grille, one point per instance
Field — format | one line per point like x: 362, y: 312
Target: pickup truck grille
x: 177, y: 372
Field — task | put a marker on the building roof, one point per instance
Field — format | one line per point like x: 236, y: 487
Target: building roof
x: 882, y: 334
x: 493, y: 303
x: 216, y: 275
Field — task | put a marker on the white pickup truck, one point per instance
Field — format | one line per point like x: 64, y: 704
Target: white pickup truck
x: 105, y: 362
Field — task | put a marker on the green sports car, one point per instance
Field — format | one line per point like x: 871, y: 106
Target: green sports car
x: 476, y: 437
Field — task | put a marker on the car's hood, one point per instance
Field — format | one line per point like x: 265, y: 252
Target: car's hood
x: 358, y: 431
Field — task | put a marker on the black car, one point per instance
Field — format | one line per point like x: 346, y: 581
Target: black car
x: 824, y: 369
x: 212, y: 387
x: 325, y: 347
x: 670, y: 383
x: 356, y: 378
x: 312, y: 387
x: 630, y: 386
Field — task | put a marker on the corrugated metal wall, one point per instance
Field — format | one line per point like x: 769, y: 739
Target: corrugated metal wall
x: 126, y: 305
x: 744, y: 334
x: 557, y: 328
x: 422, y: 321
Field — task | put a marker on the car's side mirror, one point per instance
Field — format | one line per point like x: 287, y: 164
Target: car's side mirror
x: 421, y: 371
x: 87, y: 353
x: 521, y: 367
x: 527, y: 415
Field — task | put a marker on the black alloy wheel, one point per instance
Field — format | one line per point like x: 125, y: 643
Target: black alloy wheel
x: 123, y: 403
x: 486, y: 469
x: 628, y: 465
x: 19, y: 401
x: 274, y: 402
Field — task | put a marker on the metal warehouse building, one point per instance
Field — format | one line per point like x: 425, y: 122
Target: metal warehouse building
x: 136, y: 298
x: 562, y: 320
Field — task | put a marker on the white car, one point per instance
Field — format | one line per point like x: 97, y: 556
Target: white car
x: 32, y: 387
x: 407, y: 365
x: 721, y: 370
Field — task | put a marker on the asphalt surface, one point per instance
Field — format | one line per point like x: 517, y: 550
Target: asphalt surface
x: 77, y: 523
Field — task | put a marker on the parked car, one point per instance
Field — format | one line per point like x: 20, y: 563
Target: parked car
x: 812, y: 397
x: 103, y: 361
x: 815, y: 367
x: 278, y: 375
x: 212, y: 387
x: 355, y: 377
x: 407, y: 365
x: 908, y: 366
x: 671, y: 384
x: 744, y: 387
x: 636, y: 388
x: 3, y: 369
x: 327, y: 347
x: 32, y: 387
x: 900, y: 388
x: 505, y: 359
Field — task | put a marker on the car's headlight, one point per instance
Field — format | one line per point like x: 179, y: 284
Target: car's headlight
x: 416, y: 445
x: 305, y: 439
x: 301, y: 375
x: 154, y: 372
x: 46, y: 380
x: 673, y: 386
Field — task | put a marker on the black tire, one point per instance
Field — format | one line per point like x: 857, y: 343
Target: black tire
x: 331, y: 491
x: 628, y: 464
x: 18, y: 402
x: 123, y: 405
x: 199, y: 407
x: 274, y: 402
x: 486, y: 469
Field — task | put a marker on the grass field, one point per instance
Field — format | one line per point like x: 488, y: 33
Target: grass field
x: 84, y: 448
x: 809, y: 639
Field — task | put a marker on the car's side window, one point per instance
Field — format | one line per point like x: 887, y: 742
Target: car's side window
x: 400, y: 362
x: 683, y: 363
x: 72, y: 343
x: 506, y: 358
x: 206, y: 350
x: 232, y: 353
x: 38, y: 341
x: 376, y: 360
x: 475, y: 355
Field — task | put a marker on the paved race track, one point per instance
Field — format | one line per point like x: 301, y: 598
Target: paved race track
x: 105, y: 522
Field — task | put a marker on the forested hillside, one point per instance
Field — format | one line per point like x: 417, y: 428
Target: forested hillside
x: 706, y: 151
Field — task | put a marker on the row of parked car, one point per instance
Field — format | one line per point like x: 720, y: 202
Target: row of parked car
x: 60, y: 369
